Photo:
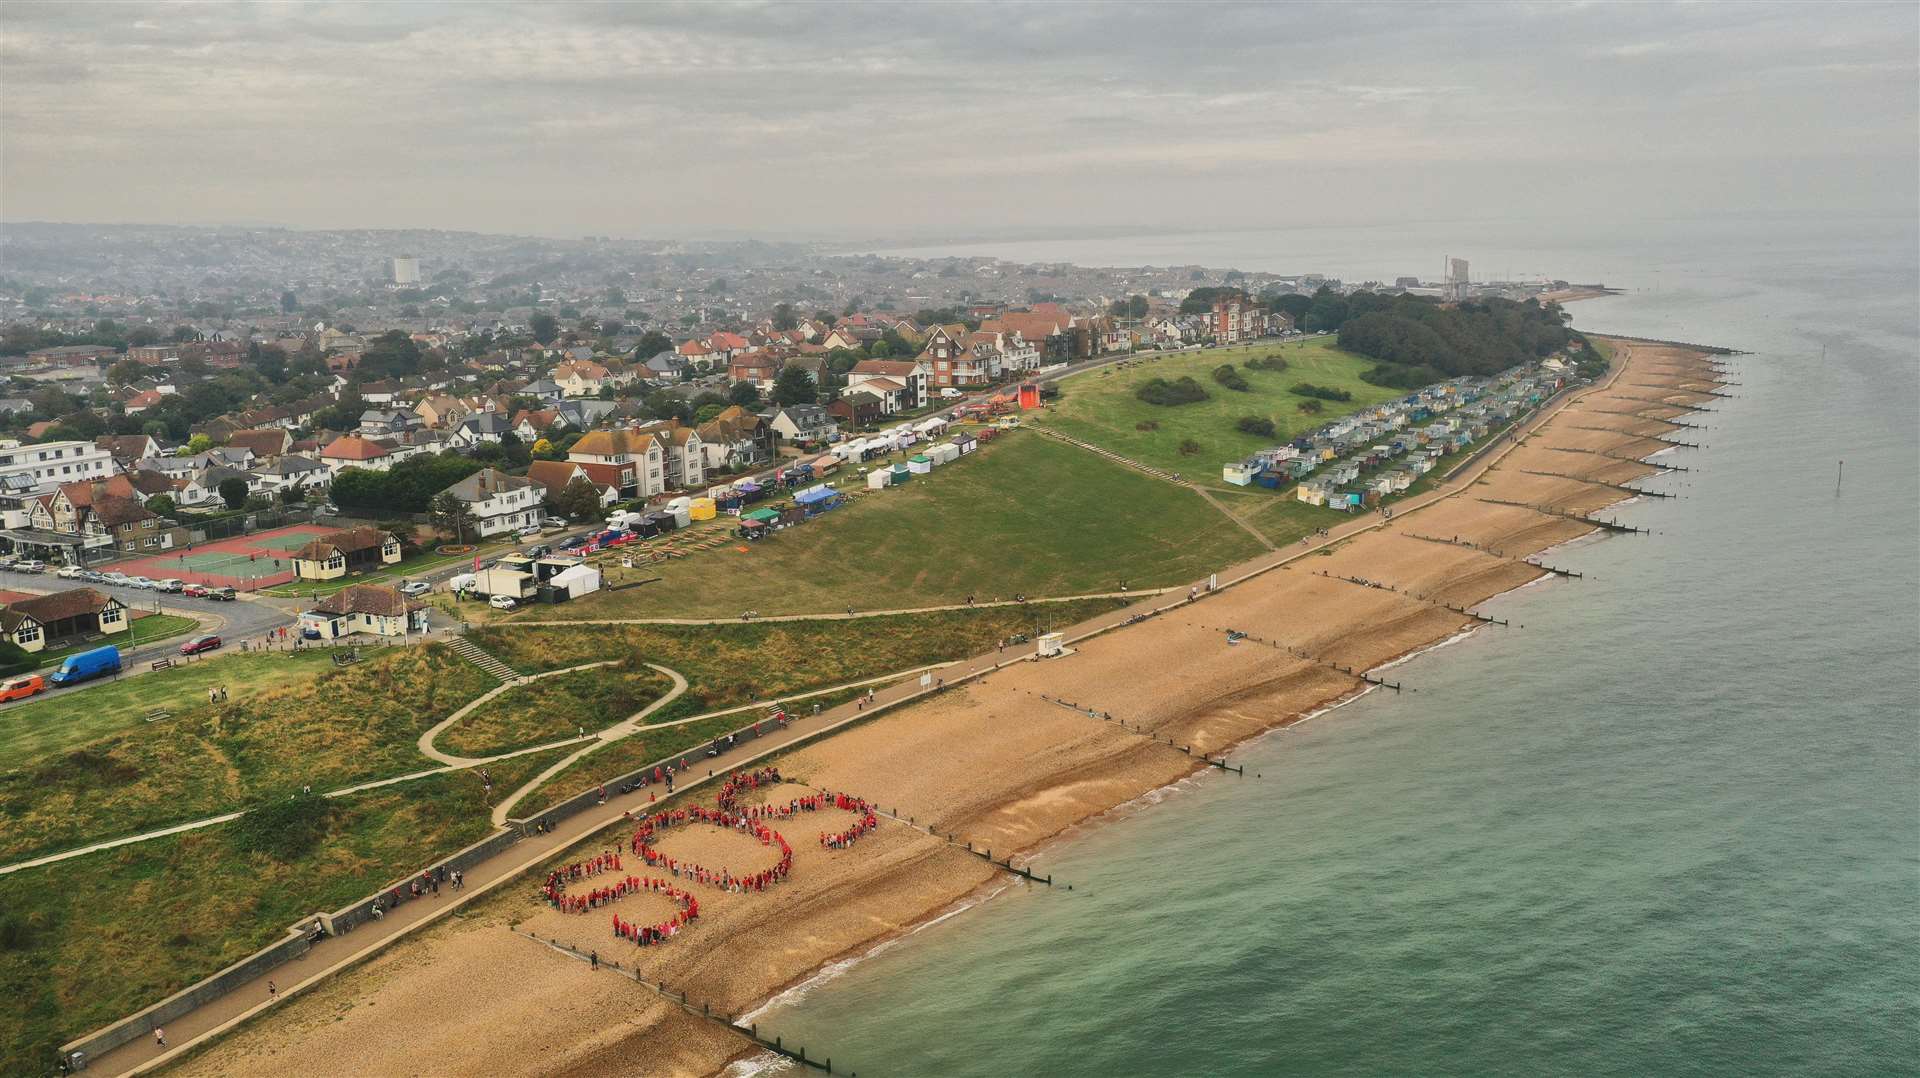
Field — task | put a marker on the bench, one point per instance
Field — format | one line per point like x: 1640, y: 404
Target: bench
x: 161, y: 664
x: 346, y: 658
x: 157, y: 714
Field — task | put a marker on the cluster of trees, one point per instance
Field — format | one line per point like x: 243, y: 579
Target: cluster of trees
x: 1418, y: 340
x: 1130, y: 307
x: 1160, y: 391
x: 1325, y: 393
x: 1255, y: 424
x: 1266, y: 363
x: 1232, y: 379
x: 408, y: 487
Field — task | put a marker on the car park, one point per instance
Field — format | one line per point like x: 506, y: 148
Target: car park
x: 19, y: 688
x: 502, y: 602
x: 199, y: 644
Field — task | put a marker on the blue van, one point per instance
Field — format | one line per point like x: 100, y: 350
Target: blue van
x: 87, y: 665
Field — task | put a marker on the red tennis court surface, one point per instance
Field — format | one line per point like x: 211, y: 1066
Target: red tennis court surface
x: 260, y: 560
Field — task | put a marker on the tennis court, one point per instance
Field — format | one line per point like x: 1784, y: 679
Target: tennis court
x: 260, y: 560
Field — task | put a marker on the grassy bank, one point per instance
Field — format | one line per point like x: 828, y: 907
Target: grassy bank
x: 1100, y: 406
x: 82, y: 944
x: 557, y: 707
x: 1025, y: 515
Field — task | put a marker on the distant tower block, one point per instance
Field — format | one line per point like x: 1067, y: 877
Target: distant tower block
x: 1457, y: 278
x: 406, y: 270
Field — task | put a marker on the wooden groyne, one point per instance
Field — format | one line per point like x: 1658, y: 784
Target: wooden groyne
x: 1650, y: 437
x: 1622, y: 457
x: 1709, y: 349
x: 1441, y: 603
x: 985, y: 853
x: 1644, y: 417
x: 1682, y: 389
x: 1547, y: 510
x: 1492, y: 553
x: 1669, y: 404
x: 682, y: 1000
x: 1599, y: 483
x: 1234, y: 635
x: 1107, y: 716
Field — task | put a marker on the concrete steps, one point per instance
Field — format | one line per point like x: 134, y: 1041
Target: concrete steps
x: 473, y: 653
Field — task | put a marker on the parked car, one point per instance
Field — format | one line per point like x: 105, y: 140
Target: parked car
x: 87, y: 665
x: 71, y: 572
x: 170, y: 584
x: 539, y: 550
x: 32, y: 566
x: 502, y: 602
x: 22, y: 687
x: 8, y: 561
x: 199, y: 644
x: 950, y: 393
x: 116, y: 578
x: 415, y: 587
x: 144, y: 583
x: 223, y: 595
x: 194, y: 591
x: 89, y: 576
x: 573, y: 542
x: 527, y: 534
x: 551, y: 526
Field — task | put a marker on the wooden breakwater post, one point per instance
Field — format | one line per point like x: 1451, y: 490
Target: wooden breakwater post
x: 1107, y: 717
x: 985, y: 854
x: 1328, y: 663
x: 1601, y: 483
x: 1461, y: 610
x: 1596, y: 522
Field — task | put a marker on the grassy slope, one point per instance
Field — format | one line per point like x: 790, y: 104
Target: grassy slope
x: 355, y: 723
x: 144, y: 630
x: 81, y: 946
x: 74, y: 717
x: 1024, y: 515
x: 1100, y: 407
x: 554, y: 708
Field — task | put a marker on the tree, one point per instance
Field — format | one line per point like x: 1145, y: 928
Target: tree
x: 516, y: 452
x: 743, y: 394
x: 1293, y: 305
x: 161, y: 505
x: 652, y: 343
x: 393, y: 354
x: 783, y: 317
x: 664, y: 405
x: 614, y: 297
x: 233, y: 491
x: 143, y: 336
x: 794, y: 386
x: 451, y: 515
x: 197, y: 445
x: 578, y: 500
x: 545, y: 327
x: 544, y: 450
x: 126, y: 371
x: 289, y: 302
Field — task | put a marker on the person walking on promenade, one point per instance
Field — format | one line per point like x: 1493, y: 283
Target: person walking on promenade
x: 159, y: 1037
x: 594, y: 960
x: 273, y: 993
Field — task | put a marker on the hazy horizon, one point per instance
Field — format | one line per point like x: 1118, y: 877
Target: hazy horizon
x: 948, y: 122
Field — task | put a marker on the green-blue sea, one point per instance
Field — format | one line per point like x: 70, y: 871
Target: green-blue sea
x: 1669, y: 827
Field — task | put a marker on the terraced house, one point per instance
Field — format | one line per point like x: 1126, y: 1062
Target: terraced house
x: 631, y: 462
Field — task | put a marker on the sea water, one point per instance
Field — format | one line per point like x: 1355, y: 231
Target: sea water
x: 1668, y: 823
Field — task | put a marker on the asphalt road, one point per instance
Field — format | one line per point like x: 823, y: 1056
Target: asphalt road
x: 233, y: 622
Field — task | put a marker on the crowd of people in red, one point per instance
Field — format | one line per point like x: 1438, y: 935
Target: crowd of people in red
x: 722, y: 878
x: 868, y: 820
x: 555, y: 891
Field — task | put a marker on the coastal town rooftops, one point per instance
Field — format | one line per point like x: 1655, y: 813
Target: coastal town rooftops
x: 373, y: 599
x: 354, y: 447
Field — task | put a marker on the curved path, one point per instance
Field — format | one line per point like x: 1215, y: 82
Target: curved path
x: 425, y: 744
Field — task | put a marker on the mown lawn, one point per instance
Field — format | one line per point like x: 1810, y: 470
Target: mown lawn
x: 1100, y: 406
x: 557, y: 707
x: 144, y: 630
x: 85, y: 942
x: 328, y: 728
x: 1024, y: 515
x: 67, y: 718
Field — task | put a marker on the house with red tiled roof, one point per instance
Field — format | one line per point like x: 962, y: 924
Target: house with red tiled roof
x: 757, y: 368
x: 627, y: 460
x: 352, y: 550
x: 36, y: 622
x: 913, y: 377
x: 353, y: 451
x: 556, y: 475
x: 143, y: 400
x: 363, y: 608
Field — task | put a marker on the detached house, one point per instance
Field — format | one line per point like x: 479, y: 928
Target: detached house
x: 735, y: 440
x: 555, y: 476
x: 353, y: 451
x: 581, y: 378
x: 910, y: 377
x: 34, y: 623
x: 631, y: 462
x: 351, y: 551
x: 799, y: 423
x: 685, y: 465
x: 500, y: 503
x: 363, y: 608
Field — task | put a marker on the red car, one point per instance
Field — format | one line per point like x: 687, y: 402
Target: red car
x: 199, y: 644
x: 197, y: 591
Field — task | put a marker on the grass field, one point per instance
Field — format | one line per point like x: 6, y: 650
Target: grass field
x: 64, y: 720
x: 553, y: 708
x: 329, y: 730
x: 1025, y: 515
x: 1100, y: 406
x: 84, y: 943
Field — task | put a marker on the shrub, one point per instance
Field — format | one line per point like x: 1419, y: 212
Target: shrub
x: 1312, y: 407
x: 1232, y: 379
x: 1149, y: 425
x: 1325, y: 393
x: 1267, y: 363
x: 283, y: 830
x: 1253, y: 424
x: 1167, y: 394
x: 1189, y: 447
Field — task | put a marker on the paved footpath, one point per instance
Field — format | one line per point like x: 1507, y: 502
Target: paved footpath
x: 336, y: 953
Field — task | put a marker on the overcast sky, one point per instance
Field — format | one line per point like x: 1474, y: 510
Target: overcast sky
x: 947, y: 120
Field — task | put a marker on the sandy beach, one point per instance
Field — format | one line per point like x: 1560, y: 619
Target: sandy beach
x: 992, y: 762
